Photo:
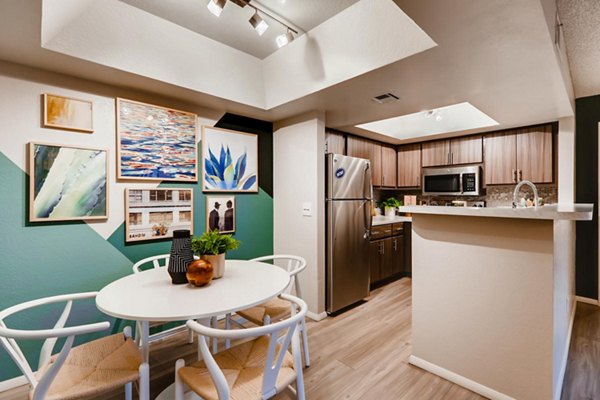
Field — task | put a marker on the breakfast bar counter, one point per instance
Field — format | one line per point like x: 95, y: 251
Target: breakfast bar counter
x: 493, y: 296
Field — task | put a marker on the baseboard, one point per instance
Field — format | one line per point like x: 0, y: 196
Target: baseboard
x: 13, y: 383
x: 458, y: 379
x: 316, y: 317
x: 586, y: 300
x: 563, y: 365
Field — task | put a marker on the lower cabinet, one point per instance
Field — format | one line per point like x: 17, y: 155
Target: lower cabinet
x: 386, y: 252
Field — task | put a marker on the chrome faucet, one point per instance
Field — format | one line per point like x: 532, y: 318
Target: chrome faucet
x: 516, y: 192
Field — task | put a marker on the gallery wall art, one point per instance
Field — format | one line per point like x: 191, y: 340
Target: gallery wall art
x: 68, y: 113
x: 155, y: 143
x: 67, y: 183
x: 155, y: 213
x: 220, y: 213
x: 229, y: 161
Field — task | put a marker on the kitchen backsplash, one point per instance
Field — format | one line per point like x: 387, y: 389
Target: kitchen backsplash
x: 496, y: 196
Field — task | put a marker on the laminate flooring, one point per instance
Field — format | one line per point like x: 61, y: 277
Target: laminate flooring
x: 363, y: 354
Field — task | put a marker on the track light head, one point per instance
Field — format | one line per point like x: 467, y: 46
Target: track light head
x: 259, y: 24
x: 216, y: 7
x: 284, y: 39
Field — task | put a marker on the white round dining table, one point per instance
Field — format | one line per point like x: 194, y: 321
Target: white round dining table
x: 150, y: 295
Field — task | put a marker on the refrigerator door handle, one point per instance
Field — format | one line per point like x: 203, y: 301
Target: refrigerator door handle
x: 367, y: 214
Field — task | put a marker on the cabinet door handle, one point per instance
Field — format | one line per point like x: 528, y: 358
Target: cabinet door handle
x: 514, y: 175
x: 383, y: 179
x: 520, y: 175
x: 395, y: 245
x: 451, y: 158
x: 418, y: 181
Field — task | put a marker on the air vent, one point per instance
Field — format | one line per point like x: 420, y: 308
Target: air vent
x: 385, y: 98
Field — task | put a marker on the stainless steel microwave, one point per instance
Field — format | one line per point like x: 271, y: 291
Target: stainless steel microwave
x: 452, y: 181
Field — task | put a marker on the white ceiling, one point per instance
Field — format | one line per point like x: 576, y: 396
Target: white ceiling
x: 581, y: 25
x: 500, y: 59
x: 232, y: 27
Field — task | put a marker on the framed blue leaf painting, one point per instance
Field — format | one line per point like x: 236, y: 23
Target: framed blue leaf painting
x: 229, y: 161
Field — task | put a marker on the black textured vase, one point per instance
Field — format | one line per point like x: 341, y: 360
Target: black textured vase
x: 181, y: 256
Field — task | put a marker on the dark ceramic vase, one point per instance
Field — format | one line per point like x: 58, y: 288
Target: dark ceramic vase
x: 181, y: 256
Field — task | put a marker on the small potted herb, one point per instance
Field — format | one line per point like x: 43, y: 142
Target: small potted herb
x: 390, y: 206
x: 211, y: 247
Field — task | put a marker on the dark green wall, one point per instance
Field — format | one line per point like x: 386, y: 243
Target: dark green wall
x: 587, y: 116
x: 44, y: 259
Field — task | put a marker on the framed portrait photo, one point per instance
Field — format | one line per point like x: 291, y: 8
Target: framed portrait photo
x: 220, y: 213
x: 67, y: 183
x: 152, y: 214
x: 68, y: 113
x: 155, y: 143
x: 229, y: 161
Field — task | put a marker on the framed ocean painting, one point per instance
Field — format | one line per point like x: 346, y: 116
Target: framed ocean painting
x: 155, y: 143
x: 229, y: 161
x: 155, y: 213
x: 67, y: 183
x: 68, y: 113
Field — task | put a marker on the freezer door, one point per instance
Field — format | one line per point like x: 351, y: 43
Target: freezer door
x: 348, y: 252
x: 348, y: 177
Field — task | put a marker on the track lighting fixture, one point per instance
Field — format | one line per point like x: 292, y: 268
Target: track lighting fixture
x: 284, y: 38
x: 216, y: 6
x: 259, y: 24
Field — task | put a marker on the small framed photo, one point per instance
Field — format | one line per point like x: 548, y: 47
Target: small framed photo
x: 68, y: 113
x: 67, y: 183
x: 152, y: 214
x: 220, y: 213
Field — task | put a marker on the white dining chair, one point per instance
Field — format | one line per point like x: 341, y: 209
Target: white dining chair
x: 277, y: 308
x: 90, y: 369
x: 253, y: 370
x: 159, y: 261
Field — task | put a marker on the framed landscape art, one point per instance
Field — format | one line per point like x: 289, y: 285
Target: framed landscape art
x: 229, y: 161
x: 155, y: 213
x: 67, y: 183
x: 68, y: 113
x: 220, y: 214
x: 155, y: 143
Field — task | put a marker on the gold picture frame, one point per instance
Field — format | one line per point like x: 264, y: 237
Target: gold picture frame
x: 68, y: 113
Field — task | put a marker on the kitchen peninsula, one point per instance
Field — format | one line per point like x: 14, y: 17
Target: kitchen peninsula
x: 493, y: 296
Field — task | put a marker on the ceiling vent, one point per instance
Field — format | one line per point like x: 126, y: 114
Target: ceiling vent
x: 385, y: 98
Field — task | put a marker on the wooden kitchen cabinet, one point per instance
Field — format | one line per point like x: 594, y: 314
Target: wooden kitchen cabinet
x: 409, y: 165
x: 386, y: 252
x: 517, y: 155
x: 335, y: 142
x: 464, y: 150
x: 375, y: 258
x: 388, y: 166
x: 397, y: 250
x: 363, y: 148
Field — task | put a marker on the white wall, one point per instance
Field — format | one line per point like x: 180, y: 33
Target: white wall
x: 298, y: 178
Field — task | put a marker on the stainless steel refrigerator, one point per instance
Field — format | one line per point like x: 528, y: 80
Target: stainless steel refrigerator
x: 348, y: 201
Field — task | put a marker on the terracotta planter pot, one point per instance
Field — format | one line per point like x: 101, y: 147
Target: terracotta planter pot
x: 217, y: 262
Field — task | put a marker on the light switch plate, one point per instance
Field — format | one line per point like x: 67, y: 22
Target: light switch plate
x: 307, y: 209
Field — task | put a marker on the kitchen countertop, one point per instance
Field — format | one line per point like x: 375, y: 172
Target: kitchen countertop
x: 575, y: 212
x: 383, y: 220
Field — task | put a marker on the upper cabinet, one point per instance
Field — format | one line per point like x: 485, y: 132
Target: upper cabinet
x: 364, y: 148
x: 524, y: 154
x: 409, y: 165
x: 464, y: 150
x: 335, y: 142
x: 388, y: 166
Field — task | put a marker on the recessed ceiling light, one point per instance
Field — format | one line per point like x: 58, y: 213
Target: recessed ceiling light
x: 453, y: 118
x: 284, y: 39
x: 259, y: 24
x: 216, y: 6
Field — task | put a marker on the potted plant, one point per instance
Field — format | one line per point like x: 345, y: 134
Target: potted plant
x: 390, y: 206
x: 211, y: 247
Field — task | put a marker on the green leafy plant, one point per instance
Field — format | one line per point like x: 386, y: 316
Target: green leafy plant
x: 213, y: 242
x: 391, y: 202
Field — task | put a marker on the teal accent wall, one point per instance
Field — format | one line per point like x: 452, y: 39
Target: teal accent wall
x: 45, y: 259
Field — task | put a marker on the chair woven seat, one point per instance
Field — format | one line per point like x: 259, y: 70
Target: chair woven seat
x: 275, y: 308
x: 243, y: 367
x: 95, y: 367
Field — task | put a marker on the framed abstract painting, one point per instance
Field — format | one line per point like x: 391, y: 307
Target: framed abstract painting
x: 155, y: 213
x: 68, y: 113
x: 229, y: 161
x: 220, y: 213
x: 67, y: 183
x: 155, y: 143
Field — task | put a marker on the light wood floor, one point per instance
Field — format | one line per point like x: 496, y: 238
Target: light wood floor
x: 363, y: 354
